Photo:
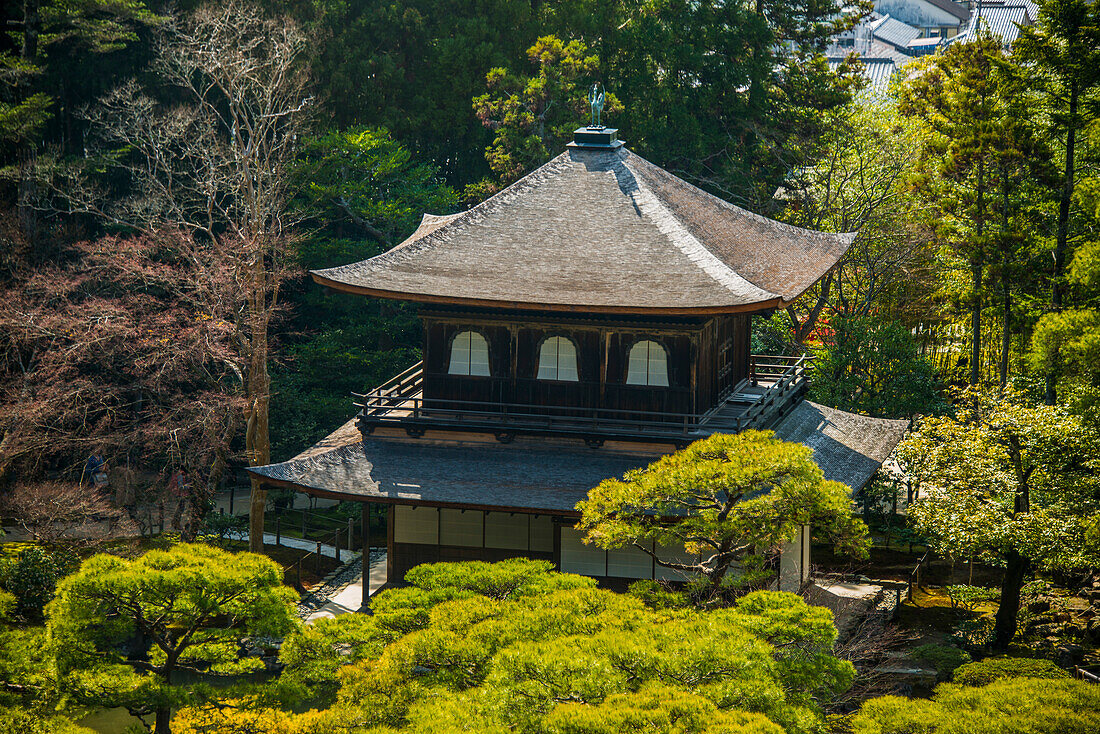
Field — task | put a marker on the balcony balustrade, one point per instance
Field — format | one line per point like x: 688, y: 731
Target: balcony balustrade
x: 774, y: 386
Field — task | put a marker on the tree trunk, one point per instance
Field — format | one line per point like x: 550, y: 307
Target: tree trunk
x: 976, y: 324
x: 1006, y: 286
x: 1062, y: 240
x: 1064, y: 202
x: 258, y: 447
x: 977, y: 265
x: 1006, y: 333
x: 27, y: 188
x: 1008, y: 612
x: 32, y: 22
x: 163, y: 724
x: 802, y: 329
x: 257, y: 437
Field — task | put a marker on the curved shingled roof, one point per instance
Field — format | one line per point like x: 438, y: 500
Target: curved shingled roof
x: 530, y: 476
x: 605, y: 231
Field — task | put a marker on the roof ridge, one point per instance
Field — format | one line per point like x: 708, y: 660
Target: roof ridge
x: 666, y: 221
x: 786, y: 226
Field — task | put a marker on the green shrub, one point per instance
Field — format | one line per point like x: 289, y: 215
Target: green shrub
x: 986, y: 671
x: 219, y: 527
x: 969, y: 597
x: 24, y: 721
x: 657, y: 596
x: 973, y: 633
x: 32, y: 575
x: 1020, y: 705
x: 7, y: 604
x: 941, y: 657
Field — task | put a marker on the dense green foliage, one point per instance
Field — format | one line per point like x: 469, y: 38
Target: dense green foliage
x: 120, y: 630
x: 984, y: 168
x: 359, y: 192
x: 870, y: 365
x: 31, y: 575
x: 984, y: 672
x: 534, y: 117
x: 1024, y: 704
x: 944, y: 659
x: 514, y: 647
x: 693, y: 79
x: 730, y: 501
x: 49, y: 50
x: 1010, y: 482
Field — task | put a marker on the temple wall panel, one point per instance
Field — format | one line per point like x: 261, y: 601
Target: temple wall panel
x: 462, y: 528
x: 508, y: 532
x: 576, y: 557
x: 416, y: 525
x: 542, y: 533
x: 431, y: 535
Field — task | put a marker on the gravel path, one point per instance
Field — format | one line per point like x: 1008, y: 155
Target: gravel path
x: 346, y: 575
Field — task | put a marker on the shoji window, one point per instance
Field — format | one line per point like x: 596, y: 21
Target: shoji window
x: 469, y: 355
x: 648, y: 365
x: 558, y: 360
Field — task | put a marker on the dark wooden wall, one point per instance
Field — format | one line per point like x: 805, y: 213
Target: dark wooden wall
x: 697, y: 350
x: 733, y: 336
x: 407, y: 556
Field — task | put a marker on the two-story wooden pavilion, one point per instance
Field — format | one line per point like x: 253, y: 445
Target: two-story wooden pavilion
x: 580, y: 323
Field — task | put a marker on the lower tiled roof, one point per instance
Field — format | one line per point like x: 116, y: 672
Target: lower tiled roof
x: 848, y: 447
x: 531, y: 475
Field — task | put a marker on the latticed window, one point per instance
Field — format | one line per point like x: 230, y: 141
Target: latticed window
x: 648, y: 365
x: 558, y: 360
x: 469, y: 355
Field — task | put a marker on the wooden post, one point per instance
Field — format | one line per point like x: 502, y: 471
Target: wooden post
x: 278, y: 532
x: 364, y: 518
x: 305, y: 511
x: 318, y: 558
x: 351, y: 536
x: 232, y: 491
x: 336, y: 543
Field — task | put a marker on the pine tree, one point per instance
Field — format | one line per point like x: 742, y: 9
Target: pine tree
x: 1062, y: 52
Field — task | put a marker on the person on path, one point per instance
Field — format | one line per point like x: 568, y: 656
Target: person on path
x: 95, y: 469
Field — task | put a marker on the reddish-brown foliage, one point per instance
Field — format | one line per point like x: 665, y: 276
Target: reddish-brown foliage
x: 127, y: 347
x: 52, y: 511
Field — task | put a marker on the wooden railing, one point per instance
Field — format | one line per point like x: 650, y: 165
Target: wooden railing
x: 415, y: 410
x: 915, y: 575
x: 317, y: 555
x: 401, y: 401
x: 398, y: 389
x: 773, y: 366
x: 1081, y: 674
x: 790, y: 383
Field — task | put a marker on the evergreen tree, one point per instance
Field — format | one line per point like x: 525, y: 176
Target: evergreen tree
x: 870, y: 365
x: 985, y: 170
x: 513, y: 647
x: 1062, y: 55
x: 709, y: 499
x: 123, y: 631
